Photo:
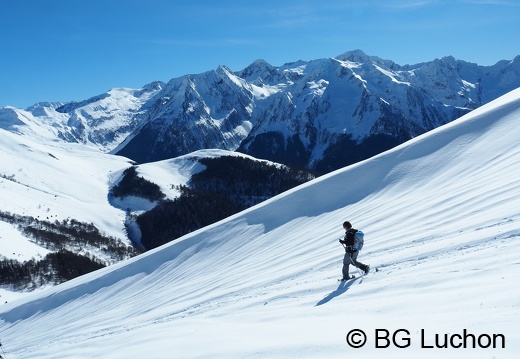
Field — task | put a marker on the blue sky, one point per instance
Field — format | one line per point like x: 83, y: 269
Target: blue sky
x: 70, y: 50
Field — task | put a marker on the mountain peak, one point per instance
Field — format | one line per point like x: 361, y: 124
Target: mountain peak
x: 354, y: 55
x: 361, y: 57
x: 447, y: 60
x: 261, y: 62
x: 261, y: 72
x: 223, y: 68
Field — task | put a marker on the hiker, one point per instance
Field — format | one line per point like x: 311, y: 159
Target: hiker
x: 350, y: 252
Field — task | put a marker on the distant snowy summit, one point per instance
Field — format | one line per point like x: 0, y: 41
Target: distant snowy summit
x: 321, y: 114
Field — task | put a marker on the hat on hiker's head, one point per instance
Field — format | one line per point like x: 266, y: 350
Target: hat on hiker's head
x: 347, y: 225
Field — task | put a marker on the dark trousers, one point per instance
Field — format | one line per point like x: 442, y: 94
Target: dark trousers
x: 351, y: 258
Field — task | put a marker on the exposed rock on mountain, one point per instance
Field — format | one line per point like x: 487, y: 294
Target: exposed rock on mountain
x: 321, y: 114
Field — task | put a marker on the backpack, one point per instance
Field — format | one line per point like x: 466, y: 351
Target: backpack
x: 359, y: 240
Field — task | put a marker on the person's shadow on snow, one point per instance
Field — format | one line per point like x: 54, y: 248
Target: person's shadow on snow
x: 342, y: 288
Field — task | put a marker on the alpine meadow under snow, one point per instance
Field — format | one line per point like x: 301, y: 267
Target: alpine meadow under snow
x: 441, y: 216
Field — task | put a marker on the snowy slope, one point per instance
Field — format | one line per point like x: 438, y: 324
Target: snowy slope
x: 441, y: 214
x: 178, y: 171
x: 169, y: 175
x: 55, y: 181
x: 101, y: 122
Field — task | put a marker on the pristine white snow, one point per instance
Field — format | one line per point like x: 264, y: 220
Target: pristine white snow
x: 58, y: 181
x: 54, y: 181
x: 441, y: 215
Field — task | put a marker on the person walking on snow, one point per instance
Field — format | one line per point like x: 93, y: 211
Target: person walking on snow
x: 350, y: 253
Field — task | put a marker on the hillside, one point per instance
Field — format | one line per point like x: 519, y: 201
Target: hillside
x: 441, y: 214
x: 60, y: 216
x: 54, y: 202
x: 166, y: 199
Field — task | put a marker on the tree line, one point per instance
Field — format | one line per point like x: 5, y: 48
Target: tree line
x: 227, y: 185
x: 134, y: 185
x: 55, y: 268
x: 66, y: 240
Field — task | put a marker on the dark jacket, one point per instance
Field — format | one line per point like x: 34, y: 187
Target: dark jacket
x: 348, y: 240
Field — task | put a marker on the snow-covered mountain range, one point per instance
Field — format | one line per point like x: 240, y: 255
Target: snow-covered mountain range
x: 441, y: 216
x: 321, y: 114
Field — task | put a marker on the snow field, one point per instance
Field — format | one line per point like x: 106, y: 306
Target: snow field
x: 441, y: 216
